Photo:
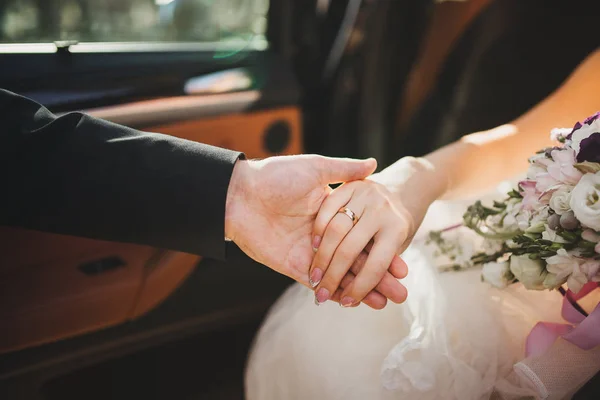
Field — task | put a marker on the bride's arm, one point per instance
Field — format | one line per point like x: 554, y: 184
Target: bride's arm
x: 482, y: 159
x: 389, y: 215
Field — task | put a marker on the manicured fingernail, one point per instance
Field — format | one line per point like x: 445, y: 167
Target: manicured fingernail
x: 315, y: 277
x: 322, y: 296
x: 347, y: 301
x: 316, y: 242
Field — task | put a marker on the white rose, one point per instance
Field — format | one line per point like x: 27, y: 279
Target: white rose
x: 497, y: 274
x: 583, y: 133
x: 560, y: 200
x: 531, y: 273
x: 585, y: 200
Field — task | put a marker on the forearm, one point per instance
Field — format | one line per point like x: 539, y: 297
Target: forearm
x: 482, y: 159
x: 82, y: 176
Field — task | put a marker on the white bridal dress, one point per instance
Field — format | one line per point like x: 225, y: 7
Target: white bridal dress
x: 454, y: 338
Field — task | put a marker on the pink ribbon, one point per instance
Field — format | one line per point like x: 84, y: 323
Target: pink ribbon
x: 583, y: 331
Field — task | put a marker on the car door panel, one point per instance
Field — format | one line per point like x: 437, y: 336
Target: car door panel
x: 51, y: 286
x: 161, y: 278
x: 45, y: 295
x: 259, y: 134
x: 218, y: 120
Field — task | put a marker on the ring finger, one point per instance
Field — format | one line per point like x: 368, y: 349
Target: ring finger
x: 346, y: 253
x: 337, y: 229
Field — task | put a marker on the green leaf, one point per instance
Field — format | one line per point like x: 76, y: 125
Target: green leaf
x: 588, y: 167
x: 499, y: 205
x: 568, y: 236
x: 514, y: 194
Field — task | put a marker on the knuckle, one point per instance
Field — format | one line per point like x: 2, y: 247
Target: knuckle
x: 383, y: 206
x: 396, y: 231
x: 374, y: 199
x: 399, y: 232
x: 369, y: 190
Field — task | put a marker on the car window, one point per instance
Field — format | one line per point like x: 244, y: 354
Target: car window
x: 155, y: 21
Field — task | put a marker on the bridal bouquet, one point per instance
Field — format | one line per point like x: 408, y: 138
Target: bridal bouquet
x: 545, y: 234
x: 547, y: 231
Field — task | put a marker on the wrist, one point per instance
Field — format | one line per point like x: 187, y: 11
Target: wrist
x: 237, y: 196
x: 439, y: 177
x: 419, y: 175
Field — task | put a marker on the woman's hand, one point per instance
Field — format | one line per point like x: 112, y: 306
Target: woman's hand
x: 388, y: 209
x: 274, y: 226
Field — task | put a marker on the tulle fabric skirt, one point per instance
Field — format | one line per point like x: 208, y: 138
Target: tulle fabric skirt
x: 454, y: 338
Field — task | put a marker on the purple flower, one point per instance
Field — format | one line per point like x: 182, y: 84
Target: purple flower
x: 576, y: 127
x: 589, y: 148
x: 589, y: 120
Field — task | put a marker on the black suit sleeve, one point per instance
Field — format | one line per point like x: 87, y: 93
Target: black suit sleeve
x: 83, y: 176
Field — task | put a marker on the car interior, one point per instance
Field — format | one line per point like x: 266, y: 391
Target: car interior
x: 89, y: 319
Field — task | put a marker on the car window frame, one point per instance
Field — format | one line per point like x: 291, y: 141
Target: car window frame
x: 75, y: 75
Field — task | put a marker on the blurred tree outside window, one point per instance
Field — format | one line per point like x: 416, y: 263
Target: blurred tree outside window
x: 42, y: 21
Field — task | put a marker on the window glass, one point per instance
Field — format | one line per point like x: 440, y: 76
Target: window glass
x: 41, y: 21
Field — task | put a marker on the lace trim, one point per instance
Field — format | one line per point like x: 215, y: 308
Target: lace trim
x: 525, y: 372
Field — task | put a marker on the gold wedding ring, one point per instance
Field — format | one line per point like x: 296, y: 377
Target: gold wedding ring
x: 349, y: 213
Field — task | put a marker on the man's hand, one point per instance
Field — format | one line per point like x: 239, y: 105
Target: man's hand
x: 271, y: 208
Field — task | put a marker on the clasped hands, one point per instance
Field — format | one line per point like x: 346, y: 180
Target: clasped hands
x: 282, y: 212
